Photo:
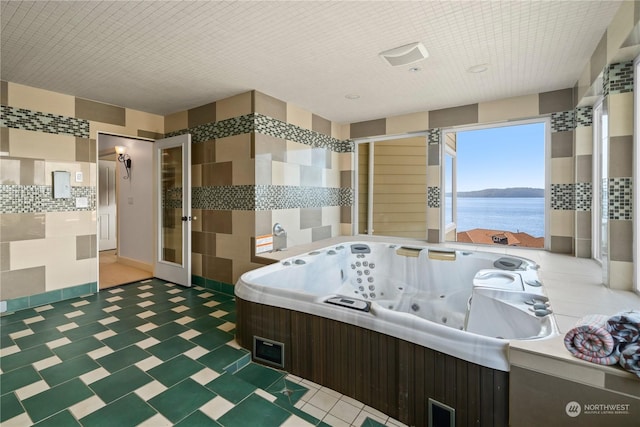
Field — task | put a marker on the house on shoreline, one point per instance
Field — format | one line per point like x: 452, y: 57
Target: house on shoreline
x: 500, y: 237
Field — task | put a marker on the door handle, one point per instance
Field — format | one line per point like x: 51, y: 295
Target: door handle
x: 187, y: 218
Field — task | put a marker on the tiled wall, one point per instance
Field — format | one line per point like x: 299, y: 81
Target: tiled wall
x: 223, y: 180
x: 257, y: 161
x: 583, y: 136
x: 557, y: 105
x: 609, y: 74
x: 434, y: 178
x: 303, y: 172
x: 619, y: 180
x: 563, y: 207
x: 48, y: 247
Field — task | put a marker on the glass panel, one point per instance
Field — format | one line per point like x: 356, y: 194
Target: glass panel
x: 171, y: 239
x: 604, y: 195
x: 448, y: 189
x: 363, y: 188
x: 597, y: 183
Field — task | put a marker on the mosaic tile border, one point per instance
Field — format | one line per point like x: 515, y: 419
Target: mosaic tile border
x: 267, y: 126
x: 222, y: 129
x: 584, y: 116
x: 20, y: 118
x: 618, y: 78
x: 604, y: 197
x: 231, y: 197
x: 584, y: 196
x: 433, y: 197
x: 563, y: 121
x: 620, y: 198
x: 563, y: 197
x: 268, y: 197
x: 38, y: 198
x: 347, y: 146
x: 433, y: 136
x: 279, y: 129
x: 273, y: 197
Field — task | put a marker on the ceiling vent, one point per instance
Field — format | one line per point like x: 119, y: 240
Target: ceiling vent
x: 405, y: 55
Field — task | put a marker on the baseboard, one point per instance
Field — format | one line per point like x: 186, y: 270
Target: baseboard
x: 37, y: 300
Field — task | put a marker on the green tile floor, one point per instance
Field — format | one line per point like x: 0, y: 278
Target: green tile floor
x: 154, y: 354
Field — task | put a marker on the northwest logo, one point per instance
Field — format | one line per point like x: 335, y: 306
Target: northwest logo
x: 573, y: 409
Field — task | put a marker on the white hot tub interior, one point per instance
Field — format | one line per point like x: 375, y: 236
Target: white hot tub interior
x: 484, y: 293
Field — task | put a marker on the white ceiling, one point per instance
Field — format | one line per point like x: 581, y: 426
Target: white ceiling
x: 168, y: 56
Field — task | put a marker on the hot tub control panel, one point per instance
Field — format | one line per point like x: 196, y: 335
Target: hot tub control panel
x: 360, y: 248
x: 355, y: 304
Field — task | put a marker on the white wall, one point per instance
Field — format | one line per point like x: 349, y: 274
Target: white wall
x: 135, y: 198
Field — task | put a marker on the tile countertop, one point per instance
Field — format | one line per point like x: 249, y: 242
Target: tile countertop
x: 573, y: 285
x: 551, y: 357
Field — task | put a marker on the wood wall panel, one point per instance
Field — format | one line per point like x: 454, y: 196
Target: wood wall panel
x: 501, y: 406
x: 461, y: 390
x: 404, y: 150
x: 394, y: 376
x: 486, y: 385
x: 302, y: 343
x: 400, y: 187
x: 418, y: 386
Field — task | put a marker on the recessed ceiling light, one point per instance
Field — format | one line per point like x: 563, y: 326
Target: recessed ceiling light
x: 352, y: 96
x: 480, y: 68
x: 415, y: 69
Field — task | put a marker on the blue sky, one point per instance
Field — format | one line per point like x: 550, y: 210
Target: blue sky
x: 502, y: 157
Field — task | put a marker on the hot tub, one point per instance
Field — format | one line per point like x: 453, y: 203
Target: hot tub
x: 454, y: 305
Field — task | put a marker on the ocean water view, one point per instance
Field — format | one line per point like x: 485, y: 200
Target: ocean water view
x: 500, y: 213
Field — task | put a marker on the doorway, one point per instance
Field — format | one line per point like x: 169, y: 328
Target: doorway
x: 125, y: 231
x: 107, y: 203
x: 391, y: 180
x: 173, y: 209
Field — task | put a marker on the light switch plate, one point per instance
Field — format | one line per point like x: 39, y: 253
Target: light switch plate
x: 79, y: 177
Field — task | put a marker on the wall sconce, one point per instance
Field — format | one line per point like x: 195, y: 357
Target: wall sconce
x: 124, y: 158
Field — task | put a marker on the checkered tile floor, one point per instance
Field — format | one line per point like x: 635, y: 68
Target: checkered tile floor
x: 152, y: 354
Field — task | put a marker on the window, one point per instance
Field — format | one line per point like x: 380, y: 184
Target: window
x: 495, y: 181
x: 450, y: 199
x: 393, y: 194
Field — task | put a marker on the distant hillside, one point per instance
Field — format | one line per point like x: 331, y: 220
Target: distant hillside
x: 504, y: 192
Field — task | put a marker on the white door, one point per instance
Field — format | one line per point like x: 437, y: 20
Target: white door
x: 107, y: 204
x: 173, y: 166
